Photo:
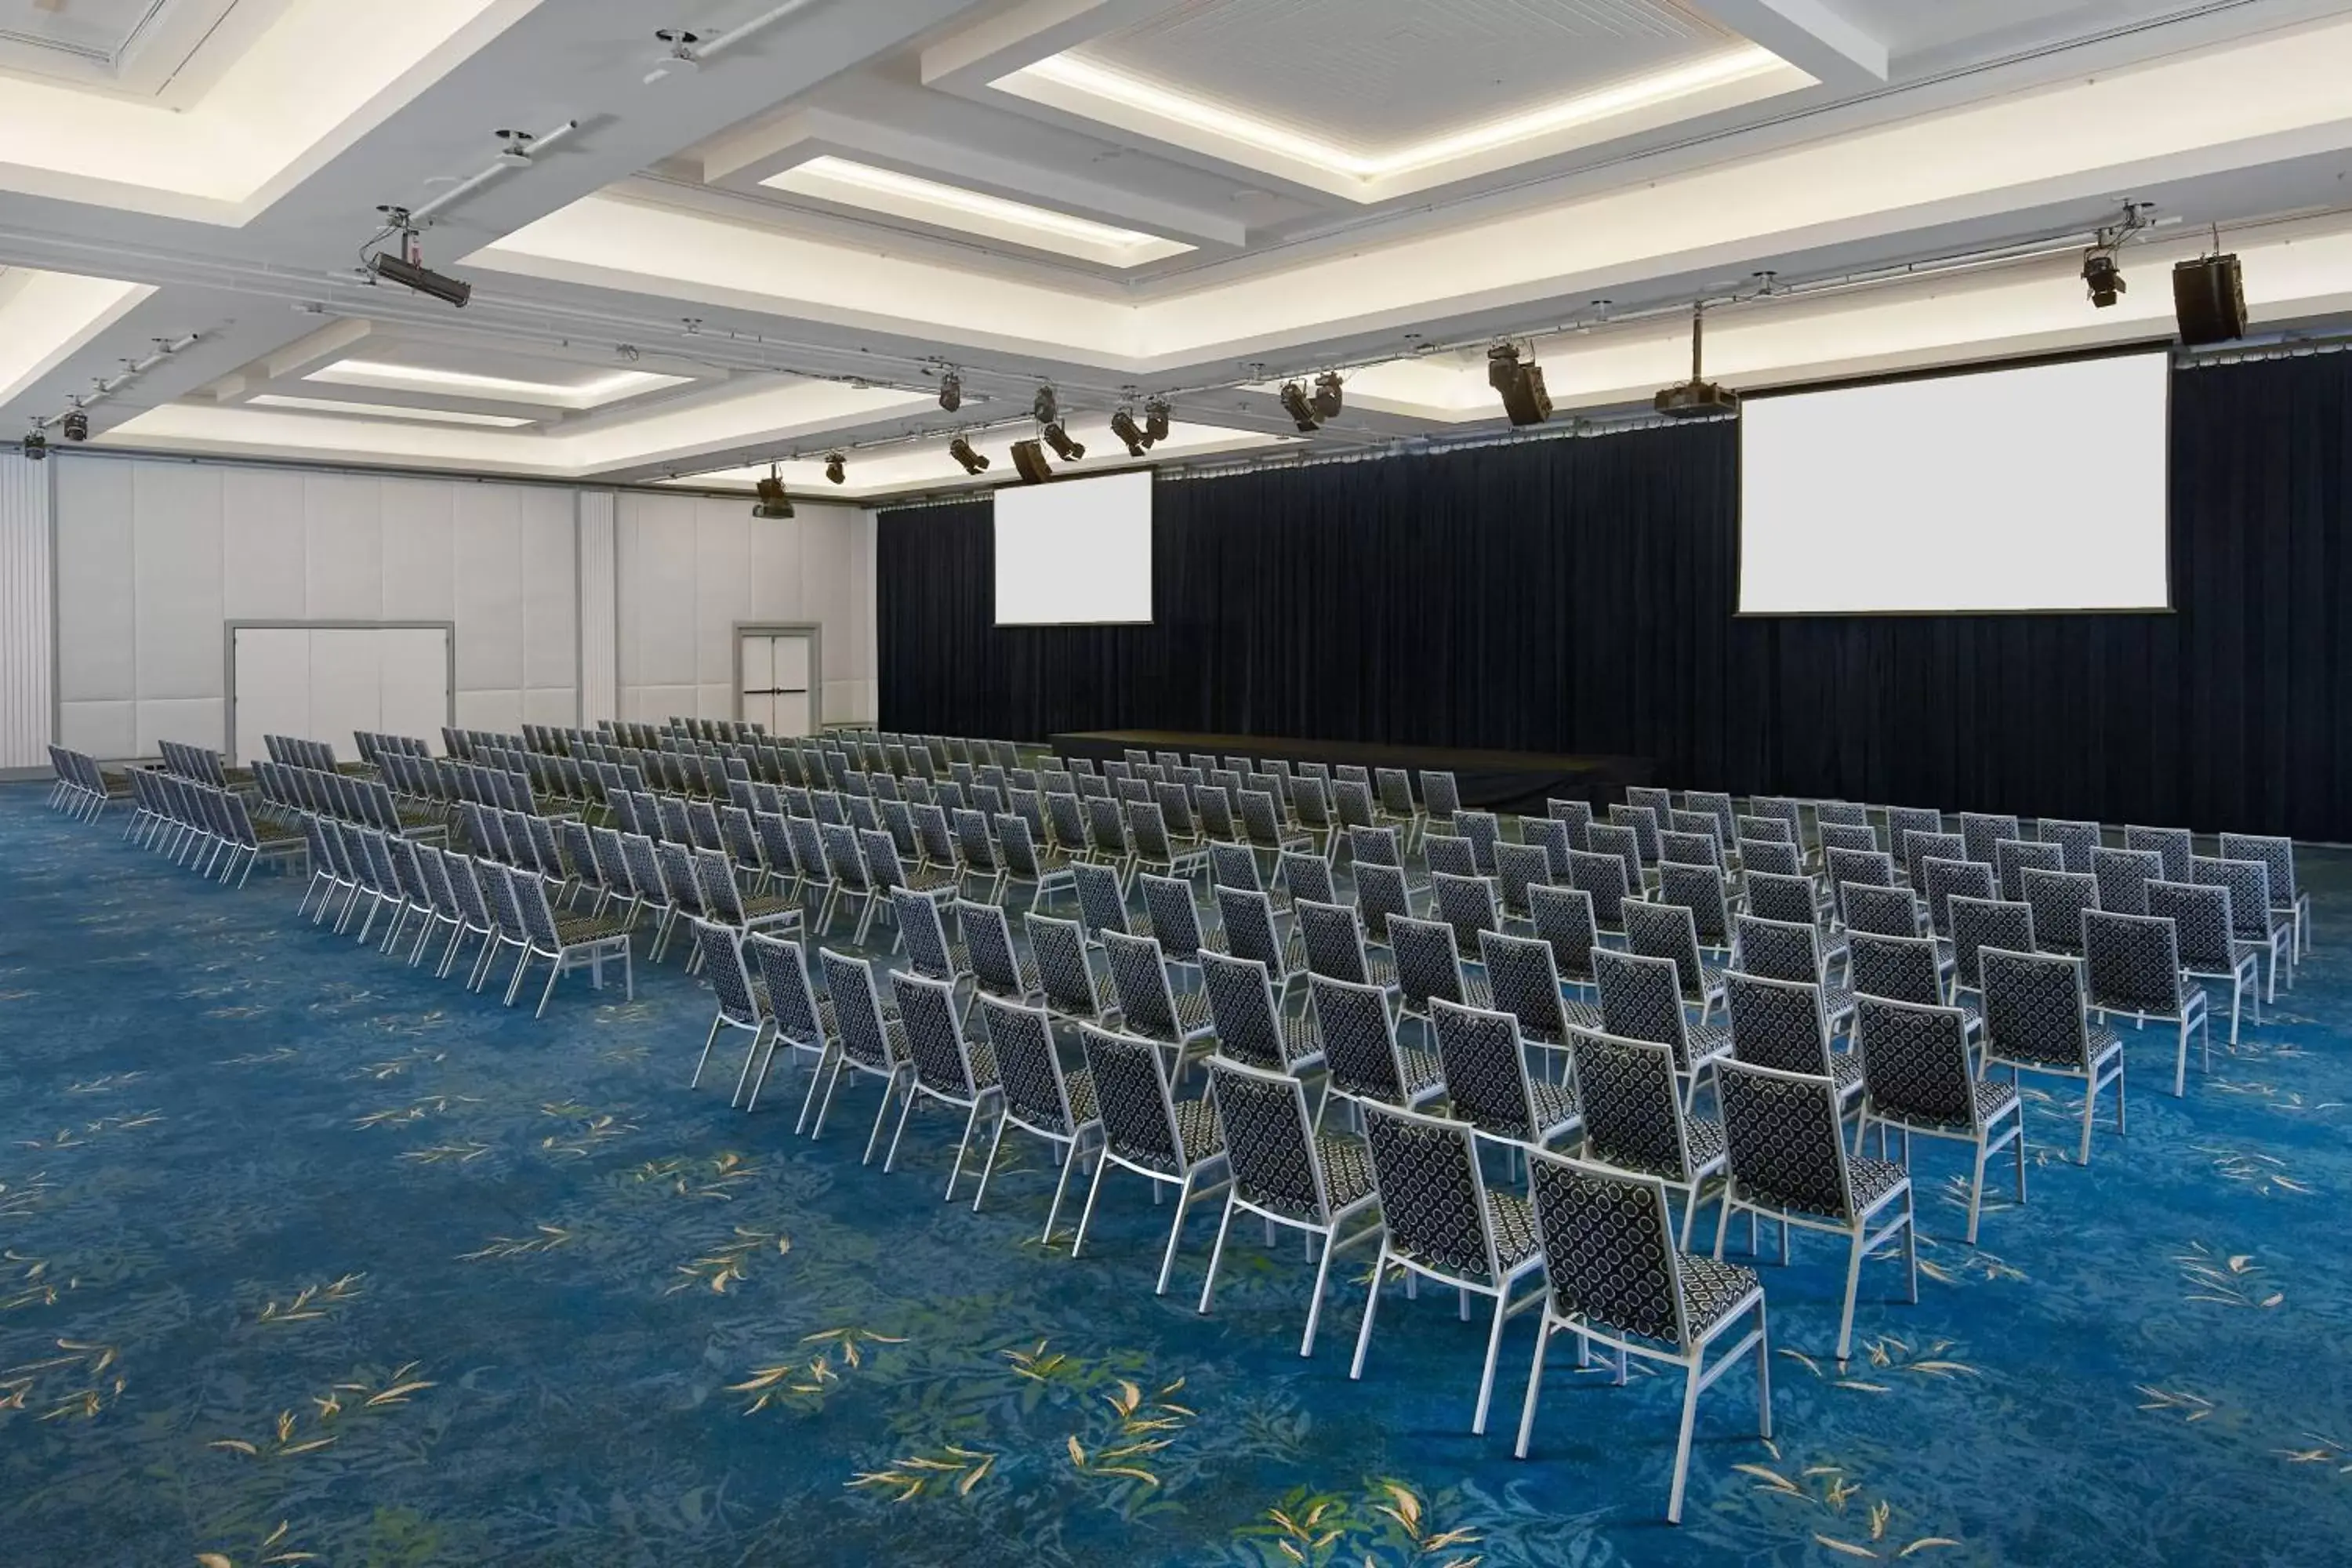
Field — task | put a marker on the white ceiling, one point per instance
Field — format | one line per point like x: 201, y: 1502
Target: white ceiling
x: 773, y: 254
x: 98, y: 29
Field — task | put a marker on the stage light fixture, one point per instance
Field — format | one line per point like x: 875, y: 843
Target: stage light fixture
x: 422, y: 278
x: 960, y: 450
x: 1155, y: 419
x: 1069, y: 451
x: 1123, y: 426
x: 1521, y: 385
x: 773, y: 502
x: 1301, y: 412
x: 1329, y: 398
x: 1697, y: 398
x: 1029, y: 461
x: 36, y: 446
x: 76, y: 426
x: 950, y: 392
x: 835, y: 468
x: 1044, y: 407
x: 2102, y: 277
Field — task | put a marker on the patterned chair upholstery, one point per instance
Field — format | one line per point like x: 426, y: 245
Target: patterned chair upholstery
x: 1360, y: 1048
x: 1487, y: 1083
x: 2131, y: 964
x: 2035, y: 1021
x: 1916, y: 1078
x: 1039, y: 1098
x: 1146, y: 1129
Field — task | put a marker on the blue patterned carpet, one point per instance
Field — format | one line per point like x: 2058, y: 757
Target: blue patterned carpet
x: 310, y: 1259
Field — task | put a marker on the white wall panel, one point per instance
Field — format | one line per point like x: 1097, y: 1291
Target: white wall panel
x: 551, y: 606
x: 198, y: 720
x: 419, y: 583
x: 103, y: 729
x: 175, y: 555
x: 412, y: 679
x: 27, y: 654
x: 488, y: 535
x: 343, y: 515
x: 273, y: 687
x: 96, y: 654
x: 599, y: 608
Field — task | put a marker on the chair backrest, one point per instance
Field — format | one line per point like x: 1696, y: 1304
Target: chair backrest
x: 1464, y: 903
x: 1175, y: 921
x: 857, y: 1009
x: 987, y: 937
x: 1666, y: 931
x: 1658, y: 803
x: 1601, y: 875
x: 1915, y: 1060
x: 2277, y: 856
x: 2076, y: 840
x: 1261, y: 819
x: 1334, y: 943
x: 1440, y: 794
x: 1138, y: 978
x: 1483, y: 830
x: 1578, y: 816
x: 2131, y: 964
x: 1524, y: 983
x: 1308, y: 877
x: 1980, y: 923
x: 1898, y: 968
x: 934, y: 1040
x: 1433, y: 1197
x: 1763, y: 829
x: 1632, y: 1109
x: 2173, y: 847
x: 1980, y: 831
x: 1270, y: 1141
x: 1622, y: 841
x: 1359, y: 1038
x: 1241, y: 1001
x: 2033, y: 1008
x: 1781, y: 950
x: 1784, y: 808
x: 1022, y: 1038
x: 1854, y: 836
x: 2123, y: 876
x: 1966, y: 878
x: 1427, y: 963
x: 1449, y: 853
x: 1784, y: 896
x: 783, y: 966
x: 1782, y: 1134
x: 1609, y: 1257
x: 1485, y: 1071
x: 1644, y: 822
x: 1549, y: 834
x: 2249, y: 882
x: 1919, y: 848
x: 1691, y: 841
x: 1381, y: 892
x: 1248, y: 920
x: 1234, y: 866
x: 1857, y: 868
x: 2200, y: 923
x: 1139, y: 1114
x: 1642, y: 999
x: 1059, y: 947
x: 926, y: 936
x: 1375, y: 847
x: 2059, y: 899
x: 1698, y: 889
x: 1102, y: 904
x: 1777, y: 1023
x: 1563, y: 920
x: 2013, y: 857
x: 1885, y: 911
x: 1517, y: 869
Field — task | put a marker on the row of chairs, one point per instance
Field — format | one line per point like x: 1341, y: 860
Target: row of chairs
x: 203, y: 826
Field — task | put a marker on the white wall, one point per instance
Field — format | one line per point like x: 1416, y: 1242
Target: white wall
x: 152, y: 559
x: 25, y: 645
x: 691, y: 568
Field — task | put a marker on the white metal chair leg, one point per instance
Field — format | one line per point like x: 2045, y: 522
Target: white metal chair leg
x: 1216, y: 1256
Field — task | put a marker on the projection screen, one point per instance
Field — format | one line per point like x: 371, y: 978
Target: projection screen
x: 1075, y: 552
x: 2037, y: 489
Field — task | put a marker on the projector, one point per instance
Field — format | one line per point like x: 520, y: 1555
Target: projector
x: 1696, y: 400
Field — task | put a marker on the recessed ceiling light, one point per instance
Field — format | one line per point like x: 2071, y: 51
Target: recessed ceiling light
x: 952, y: 206
x: 583, y: 395
x: 1717, y: 69
x: 386, y: 411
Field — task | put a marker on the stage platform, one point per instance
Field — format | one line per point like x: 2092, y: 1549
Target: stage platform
x: 1518, y: 782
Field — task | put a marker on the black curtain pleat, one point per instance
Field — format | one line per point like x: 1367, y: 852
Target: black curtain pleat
x: 1579, y: 596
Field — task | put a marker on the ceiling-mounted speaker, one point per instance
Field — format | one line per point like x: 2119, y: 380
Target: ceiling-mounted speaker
x: 2208, y: 298
x: 1029, y: 462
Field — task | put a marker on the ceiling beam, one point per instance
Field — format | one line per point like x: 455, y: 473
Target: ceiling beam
x: 1002, y: 44
x: 1810, y: 35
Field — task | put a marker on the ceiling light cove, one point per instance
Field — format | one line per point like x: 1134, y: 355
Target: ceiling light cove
x: 885, y: 191
x: 387, y: 411
x: 1743, y: 73
x: 496, y: 388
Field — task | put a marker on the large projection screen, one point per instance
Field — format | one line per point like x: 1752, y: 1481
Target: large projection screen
x: 1075, y: 552
x: 2039, y: 488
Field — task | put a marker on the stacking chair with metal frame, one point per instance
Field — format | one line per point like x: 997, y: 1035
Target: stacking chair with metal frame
x: 1251, y: 1025
x: 2277, y: 855
x: 1287, y: 1173
x: 1634, y: 1121
x: 740, y: 1005
x: 2131, y: 964
x: 2173, y: 847
x: 1781, y: 1024
x: 1641, y: 999
x: 2075, y: 840
x: 795, y: 1020
x: 1168, y: 1141
x: 1916, y: 1078
x: 1601, y: 876
x: 1563, y: 922
x: 1668, y: 932
x: 1488, y: 1084
x: 1442, y: 1222
x: 943, y: 1066
x: 2201, y: 921
x: 1429, y: 965
x: 2035, y: 1021
x: 1043, y: 870
x: 1039, y: 1097
x: 1523, y: 980
x: 1980, y: 831
x: 1789, y: 1163
x: 2253, y: 917
x: 1333, y: 941
x: 1361, y: 1052
x: 566, y: 941
x: 1615, y: 1276
x: 2122, y: 876
x: 869, y: 1043
x: 1950, y: 878
x: 1148, y: 1006
x: 2059, y: 899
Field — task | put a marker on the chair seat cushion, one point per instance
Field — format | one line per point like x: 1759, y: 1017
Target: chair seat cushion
x: 1876, y: 1182
x: 1556, y: 1106
x: 1347, y: 1168
x: 1197, y: 1126
x: 573, y: 930
x: 1514, y: 1221
x: 1712, y: 1291
x: 1423, y: 1069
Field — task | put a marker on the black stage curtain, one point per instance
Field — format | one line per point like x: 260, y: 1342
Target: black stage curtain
x: 1578, y: 595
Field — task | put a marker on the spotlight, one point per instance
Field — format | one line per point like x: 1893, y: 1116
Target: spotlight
x: 1697, y: 398
x: 774, y: 501
x: 1328, y: 399
x: 1069, y: 451
x: 76, y: 425
x: 36, y: 446
x: 1029, y: 460
x: 1155, y: 419
x: 950, y: 392
x: 960, y: 450
x: 833, y: 468
x: 1522, y: 386
x: 1123, y: 426
x: 1295, y: 404
x: 422, y: 278
x: 2102, y: 277
x: 1043, y: 408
